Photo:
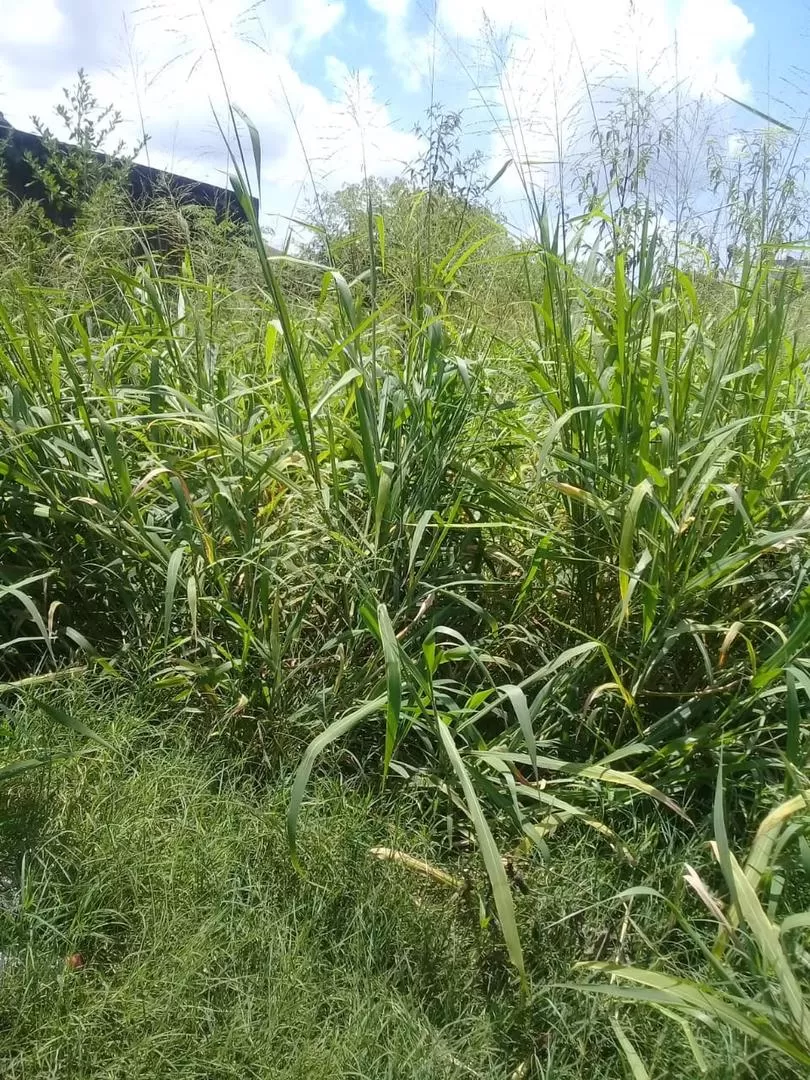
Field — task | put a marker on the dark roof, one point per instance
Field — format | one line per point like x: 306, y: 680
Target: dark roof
x: 144, y: 182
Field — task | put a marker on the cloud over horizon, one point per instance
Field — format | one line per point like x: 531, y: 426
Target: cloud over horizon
x: 336, y: 86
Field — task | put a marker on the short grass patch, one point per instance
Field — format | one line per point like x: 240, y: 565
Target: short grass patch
x: 152, y: 924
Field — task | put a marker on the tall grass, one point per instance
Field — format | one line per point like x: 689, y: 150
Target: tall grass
x: 537, y: 575
x: 761, y: 993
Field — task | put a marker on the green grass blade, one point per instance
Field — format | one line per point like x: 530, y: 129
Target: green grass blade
x: 172, y: 572
x: 793, y: 719
x: 336, y: 730
x: 345, y: 379
x: 256, y: 144
x: 521, y: 706
x: 632, y: 1057
x: 626, y: 557
x: 191, y: 596
x: 504, y: 903
x: 60, y: 716
x: 393, y: 679
x: 784, y: 654
x: 33, y: 613
x: 699, y: 1001
x: 416, y: 539
x: 721, y: 836
x: 17, y: 768
x: 593, y: 772
x: 770, y: 946
x: 758, y: 113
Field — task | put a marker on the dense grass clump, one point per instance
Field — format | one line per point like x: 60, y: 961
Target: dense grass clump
x: 514, y: 534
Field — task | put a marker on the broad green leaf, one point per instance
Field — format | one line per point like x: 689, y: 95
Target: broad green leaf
x: 80, y: 640
x: 393, y: 679
x: 60, y: 716
x: 626, y: 557
x: 173, y: 569
x: 416, y: 539
x: 631, y: 1055
x: 498, y: 174
x: 350, y: 376
x: 758, y: 113
x: 592, y: 772
x: 728, y: 565
x: 256, y: 143
x: 336, y: 730
x: 767, y: 938
x: 700, y: 1001
x: 567, y: 656
x: 17, y: 768
x: 31, y: 608
x: 689, y: 1035
x: 345, y: 297
x: 758, y: 862
x: 632, y: 581
x: 559, y: 424
x: 493, y: 862
x: 385, y: 474
x: 784, y: 654
x: 800, y: 921
x: 720, y: 834
x: 191, y: 595
x: 521, y: 706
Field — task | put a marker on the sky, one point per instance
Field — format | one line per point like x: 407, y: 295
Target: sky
x: 336, y: 87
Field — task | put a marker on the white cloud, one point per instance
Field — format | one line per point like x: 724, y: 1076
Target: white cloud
x: 304, y: 131
x: 572, y: 36
x: 285, y: 26
x: 410, y: 53
x: 35, y: 22
x: 392, y: 9
x: 602, y: 35
x: 606, y: 35
x: 312, y: 20
x: 712, y: 34
x: 174, y: 82
x: 556, y: 62
x: 339, y: 137
x: 532, y: 58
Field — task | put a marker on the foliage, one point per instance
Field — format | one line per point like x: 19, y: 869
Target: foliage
x: 432, y: 237
x: 759, y: 962
x: 763, y: 196
x: 154, y: 925
x: 518, y: 533
x: 71, y: 172
x: 437, y: 250
x: 444, y: 169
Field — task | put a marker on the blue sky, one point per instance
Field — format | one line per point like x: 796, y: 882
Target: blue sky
x: 346, y: 80
x: 776, y: 60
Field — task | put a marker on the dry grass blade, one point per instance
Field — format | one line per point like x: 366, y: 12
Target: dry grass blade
x: 419, y: 866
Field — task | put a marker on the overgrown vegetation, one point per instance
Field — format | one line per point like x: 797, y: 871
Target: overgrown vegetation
x: 73, y: 170
x: 505, y: 541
